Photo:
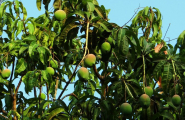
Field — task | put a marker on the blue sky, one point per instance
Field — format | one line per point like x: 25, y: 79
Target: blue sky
x: 120, y: 13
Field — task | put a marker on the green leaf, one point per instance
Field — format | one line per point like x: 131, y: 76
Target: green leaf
x: 158, y: 13
x: 31, y: 28
x: 41, y: 51
x: 23, y: 11
x: 22, y: 49
x: 54, y: 113
x: 106, y: 25
x: 158, y: 69
x: 21, y: 65
x: 90, y: 6
x: 167, y: 115
x: 96, y: 113
x: 92, y: 86
x: 159, y: 36
x: 19, y: 27
x: 155, y: 30
x: 32, y: 48
x: 167, y: 76
x: 2, y: 9
x: 38, y: 2
x: 122, y: 42
x: 27, y: 109
x: 43, y: 105
x: 29, y: 38
x: 77, y: 12
x: 146, y: 10
x: 12, y: 45
x: 17, y: 7
x: 67, y: 29
x: 128, y: 90
x: 8, y: 102
x: 99, y: 11
x: 30, y: 81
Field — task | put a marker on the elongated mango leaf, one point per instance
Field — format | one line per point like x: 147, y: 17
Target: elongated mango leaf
x: 17, y: 7
x: 128, y: 90
x: 31, y: 28
x: 77, y: 12
x: 99, y: 11
x: 22, y: 49
x: 43, y: 105
x: 27, y: 109
x: 90, y: 6
x: 155, y: 30
x: 106, y: 25
x: 38, y: 2
x: 167, y: 115
x: 122, y: 42
x: 21, y: 65
x: 32, y: 48
x: 158, y: 13
x: 67, y: 29
x: 54, y: 113
x: 29, y: 38
x: 42, y: 57
x: 19, y: 27
x: 167, y: 76
x: 158, y: 68
x: 30, y: 81
x: 146, y: 10
x: 2, y: 9
x: 23, y: 11
x: 180, y: 41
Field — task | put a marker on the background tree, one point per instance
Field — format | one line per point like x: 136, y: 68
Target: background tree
x: 50, y: 48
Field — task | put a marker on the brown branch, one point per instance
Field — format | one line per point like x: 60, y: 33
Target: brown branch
x: 97, y: 74
x: 4, y: 116
x: 71, y: 94
x: 67, y: 83
x: 18, y: 86
x: 56, y: 87
x: 11, y: 78
x: 110, y: 72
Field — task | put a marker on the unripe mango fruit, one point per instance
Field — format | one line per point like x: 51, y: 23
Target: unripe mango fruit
x: 176, y: 100
x: 6, y: 73
x: 144, y: 100
x: 90, y: 60
x: 126, y: 109
x: 105, y: 48
x: 50, y: 70
x: 83, y: 73
x: 60, y: 15
x: 149, y: 91
x: 110, y: 39
x: 54, y: 63
x: 42, y: 96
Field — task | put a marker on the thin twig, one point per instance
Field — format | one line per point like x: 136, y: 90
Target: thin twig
x: 131, y: 17
x: 166, y: 31
x: 18, y: 86
x: 71, y: 94
x: 4, y: 116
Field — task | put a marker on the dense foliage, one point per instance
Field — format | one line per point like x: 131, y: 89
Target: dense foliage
x: 51, y: 53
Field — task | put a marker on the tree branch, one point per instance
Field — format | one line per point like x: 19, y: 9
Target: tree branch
x: 71, y: 94
x: 97, y: 74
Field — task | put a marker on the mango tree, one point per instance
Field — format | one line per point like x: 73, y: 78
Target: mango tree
x: 116, y: 62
